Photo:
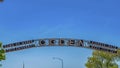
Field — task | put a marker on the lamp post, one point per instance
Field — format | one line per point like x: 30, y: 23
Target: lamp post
x: 23, y: 65
x: 59, y: 59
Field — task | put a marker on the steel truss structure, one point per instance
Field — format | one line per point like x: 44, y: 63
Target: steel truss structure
x: 60, y: 42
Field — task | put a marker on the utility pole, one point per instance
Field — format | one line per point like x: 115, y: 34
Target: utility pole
x: 23, y: 65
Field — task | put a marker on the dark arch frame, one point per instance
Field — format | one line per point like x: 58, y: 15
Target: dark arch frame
x: 60, y: 42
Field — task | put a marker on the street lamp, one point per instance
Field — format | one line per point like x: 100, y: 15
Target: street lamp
x: 59, y: 59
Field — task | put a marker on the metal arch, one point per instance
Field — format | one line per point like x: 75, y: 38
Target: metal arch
x: 67, y: 42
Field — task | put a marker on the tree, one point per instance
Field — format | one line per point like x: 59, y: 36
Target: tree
x: 2, y: 53
x: 102, y: 59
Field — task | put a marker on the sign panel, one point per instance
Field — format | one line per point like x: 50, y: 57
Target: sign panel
x: 61, y: 42
x: 103, y: 45
x: 71, y: 42
x: 52, y: 42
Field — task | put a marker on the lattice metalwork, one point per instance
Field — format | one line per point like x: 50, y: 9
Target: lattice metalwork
x: 60, y: 42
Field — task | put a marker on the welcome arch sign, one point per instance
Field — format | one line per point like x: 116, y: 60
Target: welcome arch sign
x: 60, y: 42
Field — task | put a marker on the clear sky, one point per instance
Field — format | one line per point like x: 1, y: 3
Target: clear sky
x: 97, y: 20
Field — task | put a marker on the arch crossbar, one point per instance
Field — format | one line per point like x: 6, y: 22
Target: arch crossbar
x: 60, y: 42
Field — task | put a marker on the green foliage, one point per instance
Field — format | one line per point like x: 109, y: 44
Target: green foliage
x: 102, y: 59
x: 0, y: 45
x: 2, y: 53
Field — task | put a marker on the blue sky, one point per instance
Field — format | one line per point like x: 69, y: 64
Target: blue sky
x: 83, y: 19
